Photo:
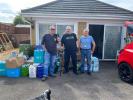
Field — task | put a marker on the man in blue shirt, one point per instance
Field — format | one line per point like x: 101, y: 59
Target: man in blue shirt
x: 87, y: 45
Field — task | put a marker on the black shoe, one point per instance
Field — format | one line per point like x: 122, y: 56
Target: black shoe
x: 53, y: 75
x: 65, y: 72
x: 76, y: 73
x: 89, y: 73
x: 81, y: 72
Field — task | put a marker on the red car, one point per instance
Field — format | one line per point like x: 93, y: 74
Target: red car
x: 125, y: 63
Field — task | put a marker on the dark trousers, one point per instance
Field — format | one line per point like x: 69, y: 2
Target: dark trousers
x: 67, y: 56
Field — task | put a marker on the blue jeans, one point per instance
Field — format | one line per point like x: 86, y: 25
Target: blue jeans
x: 85, y: 54
x: 49, y: 62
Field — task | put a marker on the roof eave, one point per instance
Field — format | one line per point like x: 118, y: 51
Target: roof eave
x: 81, y: 16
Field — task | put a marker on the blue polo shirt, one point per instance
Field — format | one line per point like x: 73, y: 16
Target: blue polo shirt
x: 86, y: 42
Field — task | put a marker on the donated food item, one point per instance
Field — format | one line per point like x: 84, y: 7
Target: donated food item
x: 21, y: 60
x: 14, y: 54
x: 40, y: 71
x: 30, y: 60
x: 38, y: 55
x: 57, y: 65
x: 2, y: 68
x: 32, y: 71
x: 94, y: 64
x: 8, y: 54
x: 25, y: 70
x: 12, y: 63
x: 15, y: 62
x: 13, y: 72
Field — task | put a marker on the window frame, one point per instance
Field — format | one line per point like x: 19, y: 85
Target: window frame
x: 53, y: 23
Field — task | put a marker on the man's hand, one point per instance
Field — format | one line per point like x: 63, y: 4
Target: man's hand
x: 92, y: 52
x: 44, y: 48
x: 93, y: 48
x: 78, y: 49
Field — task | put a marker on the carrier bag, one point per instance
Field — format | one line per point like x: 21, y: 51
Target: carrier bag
x: 94, y: 64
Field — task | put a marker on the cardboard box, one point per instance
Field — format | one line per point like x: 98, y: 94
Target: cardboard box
x: 21, y: 60
x: 15, y: 62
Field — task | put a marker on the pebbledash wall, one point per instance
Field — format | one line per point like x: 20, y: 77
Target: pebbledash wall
x: 113, y: 32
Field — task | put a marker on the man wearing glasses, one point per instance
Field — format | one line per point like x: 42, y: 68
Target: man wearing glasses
x: 49, y: 42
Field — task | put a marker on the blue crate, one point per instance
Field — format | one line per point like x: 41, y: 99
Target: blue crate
x: 2, y: 68
x: 13, y: 72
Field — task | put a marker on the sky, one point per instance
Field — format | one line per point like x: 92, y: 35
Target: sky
x: 9, y: 8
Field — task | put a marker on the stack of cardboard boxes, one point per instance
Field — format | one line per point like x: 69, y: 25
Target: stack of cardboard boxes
x: 10, y: 63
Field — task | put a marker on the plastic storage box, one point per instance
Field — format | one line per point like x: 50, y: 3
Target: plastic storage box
x: 13, y: 72
x: 2, y: 68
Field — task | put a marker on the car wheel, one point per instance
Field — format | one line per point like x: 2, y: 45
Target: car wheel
x: 125, y: 72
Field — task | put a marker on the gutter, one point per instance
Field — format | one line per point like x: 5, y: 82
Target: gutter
x: 81, y: 16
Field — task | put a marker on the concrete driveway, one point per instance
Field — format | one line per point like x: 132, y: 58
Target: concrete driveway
x: 104, y: 85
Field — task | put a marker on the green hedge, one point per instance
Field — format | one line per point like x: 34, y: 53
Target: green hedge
x: 27, y: 49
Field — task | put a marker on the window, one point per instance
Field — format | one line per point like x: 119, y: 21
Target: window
x: 44, y: 29
x: 61, y: 29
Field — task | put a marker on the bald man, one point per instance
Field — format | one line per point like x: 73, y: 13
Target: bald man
x: 69, y: 42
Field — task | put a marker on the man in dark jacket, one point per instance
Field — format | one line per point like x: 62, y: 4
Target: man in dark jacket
x: 49, y: 42
x: 69, y: 43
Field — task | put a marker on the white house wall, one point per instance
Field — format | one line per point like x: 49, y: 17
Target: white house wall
x: 111, y: 22
x: 95, y: 21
